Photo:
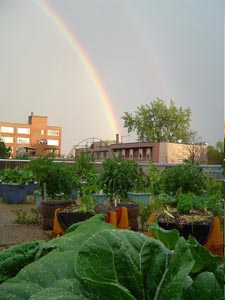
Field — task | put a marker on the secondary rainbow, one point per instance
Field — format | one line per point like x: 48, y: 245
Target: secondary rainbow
x: 85, y: 62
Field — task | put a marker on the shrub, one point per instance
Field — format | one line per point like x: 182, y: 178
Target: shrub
x: 59, y: 177
x: 187, y: 177
x: 120, y: 176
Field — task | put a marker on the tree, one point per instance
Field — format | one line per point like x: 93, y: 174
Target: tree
x: 158, y: 122
x: 4, y: 151
x: 197, y: 150
x: 216, y: 154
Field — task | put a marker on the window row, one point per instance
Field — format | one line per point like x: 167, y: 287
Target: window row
x: 22, y: 130
x: 20, y: 140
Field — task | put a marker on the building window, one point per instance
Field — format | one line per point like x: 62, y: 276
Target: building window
x: 7, y: 129
x: 53, y: 132
x: 7, y: 139
x: 123, y: 153
x: 140, y: 153
x: 53, y: 142
x: 131, y: 153
x: 23, y: 140
x: 148, y: 153
x: 23, y: 130
x: 42, y: 132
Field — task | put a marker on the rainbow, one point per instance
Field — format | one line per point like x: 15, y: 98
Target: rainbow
x: 71, y: 39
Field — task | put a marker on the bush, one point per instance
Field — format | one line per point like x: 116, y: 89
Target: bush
x: 121, y: 176
x: 188, y: 177
x: 59, y: 177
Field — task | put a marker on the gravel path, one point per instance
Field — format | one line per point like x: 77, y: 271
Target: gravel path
x: 12, y: 233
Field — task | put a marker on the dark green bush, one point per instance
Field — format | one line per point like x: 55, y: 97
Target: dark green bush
x: 58, y: 176
x: 187, y: 177
x: 121, y: 176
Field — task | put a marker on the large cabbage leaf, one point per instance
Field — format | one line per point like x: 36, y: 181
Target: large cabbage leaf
x: 204, y: 287
x: 13, y: 259
x: 129, y: 265
x: 97, y: 261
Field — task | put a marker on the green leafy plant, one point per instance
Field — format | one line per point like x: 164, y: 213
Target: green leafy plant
x: 95, y: 260
x: 13, y: 259
x: 120, y: 176
x: 144, y: 213
x: 59, y: 177
x: 31, y: 217
x: 185, y: 203
x: 16, y: 175
x: 86, y: 204
x: 188, y: 177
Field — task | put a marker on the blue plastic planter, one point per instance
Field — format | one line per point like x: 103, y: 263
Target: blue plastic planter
x: 100, y: 198
x: 14, y: 193
x: 141, y: 198
x: 31, y: 187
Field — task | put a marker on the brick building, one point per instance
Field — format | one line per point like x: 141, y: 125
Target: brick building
x: 36, y: 138
x: 157, y: 152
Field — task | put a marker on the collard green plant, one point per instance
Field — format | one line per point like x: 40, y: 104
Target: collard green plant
x: 98, y: 261
x: 13, y: 259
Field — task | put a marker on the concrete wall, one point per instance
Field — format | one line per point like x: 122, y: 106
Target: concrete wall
x: 177, y: 153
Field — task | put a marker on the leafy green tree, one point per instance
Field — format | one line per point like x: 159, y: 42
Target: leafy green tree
x: 216, y: 154
x: 158, y: 122
x: 4, y: 151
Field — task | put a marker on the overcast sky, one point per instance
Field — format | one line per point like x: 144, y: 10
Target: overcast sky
x: 139, y: 49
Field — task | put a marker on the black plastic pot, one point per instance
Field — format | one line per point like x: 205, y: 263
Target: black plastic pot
x: 67, y: 218
x: 200, y: 231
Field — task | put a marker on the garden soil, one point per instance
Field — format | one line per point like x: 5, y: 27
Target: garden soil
x: 12, y: 233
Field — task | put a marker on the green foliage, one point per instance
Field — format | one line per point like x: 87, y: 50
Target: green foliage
x: 120, y: 176
x: 93, y: 183
x: 41, y: 168
x: 188, y: 177
x: 154, y: 179
x: 98, y: 261
x: 158, y: 122
x: 83, y: 165
x: 216, y: 154
x: 144, y: 213
x: 13, y: 259
x: 84, y: 171
x: 31, y: 217
x: 4, y: 151
x: 86, y: 204
x: 185, y: 203
x: 58, y: 176
x: 16, y: 175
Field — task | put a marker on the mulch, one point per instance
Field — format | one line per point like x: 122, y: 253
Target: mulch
x: 12, y: 233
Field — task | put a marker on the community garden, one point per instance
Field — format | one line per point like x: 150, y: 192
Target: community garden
x: 169, y: 247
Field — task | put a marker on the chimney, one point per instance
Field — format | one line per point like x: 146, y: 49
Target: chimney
x: 117, y: 138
